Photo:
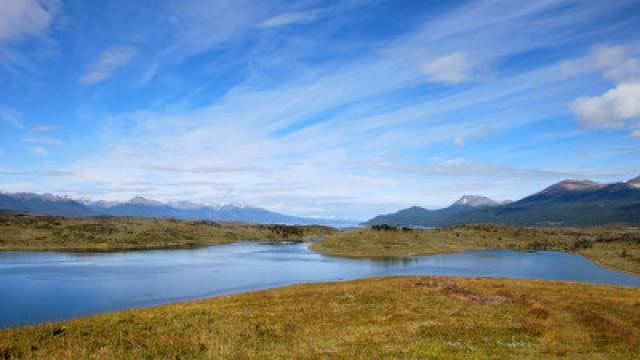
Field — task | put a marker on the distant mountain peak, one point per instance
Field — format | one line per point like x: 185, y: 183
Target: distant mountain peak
x: 573, y: 185
x: 139, y: 200
x: 634, y: 183
x: 223, y: 206
x: 44, y: 197
x: 475, y: 201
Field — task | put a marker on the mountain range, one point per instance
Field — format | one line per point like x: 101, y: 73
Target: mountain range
x: 569, y: 202
x: 47, y: 204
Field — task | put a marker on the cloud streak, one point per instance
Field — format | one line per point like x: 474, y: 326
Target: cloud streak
x: 109, y: 61
x: 11, y: 117
x: 451, y: 69
x: 291, y: 18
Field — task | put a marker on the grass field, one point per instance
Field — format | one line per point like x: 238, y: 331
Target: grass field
x: 30, y: 232
x: 611, y: 246
x: 407, y: 318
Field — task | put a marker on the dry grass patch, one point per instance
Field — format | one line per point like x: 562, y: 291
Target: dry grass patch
x: 31, y: 232
x: 404, y: 317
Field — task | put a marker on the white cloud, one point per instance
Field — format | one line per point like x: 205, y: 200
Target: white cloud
x: 42, y: 140
x: 38, y: 151
x: 462, y: 167
x: 618, y: 107
x: 200, y: 25
x: 44, y: 128
x: 11, y: 116
x: 291, y: 18
x: 24, y: 18
x: 459, y: 141
x: 452, y: 69
x: 612, y: 110
x: 109, y: 61
x: 617, y: 63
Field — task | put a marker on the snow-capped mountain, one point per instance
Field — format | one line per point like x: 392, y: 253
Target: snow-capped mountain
x: 48, y: 204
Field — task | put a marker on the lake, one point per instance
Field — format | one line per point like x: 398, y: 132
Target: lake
x: 45, y: 286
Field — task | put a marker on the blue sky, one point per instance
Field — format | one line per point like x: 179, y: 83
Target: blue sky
x: 317, y: 108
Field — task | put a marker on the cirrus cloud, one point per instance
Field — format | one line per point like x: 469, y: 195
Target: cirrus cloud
x: 109, y: 61
x: 454, y: 68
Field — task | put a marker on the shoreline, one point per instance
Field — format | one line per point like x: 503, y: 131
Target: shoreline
x: 260, y: 290
x: 94, y: 250
x: 395, y: 316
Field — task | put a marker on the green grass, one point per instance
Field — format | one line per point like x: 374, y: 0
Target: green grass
x: 31, y: 232
x: 404, y: 317
x: 611, y: 246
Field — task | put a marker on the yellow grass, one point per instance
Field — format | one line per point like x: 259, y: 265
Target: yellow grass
x: 30, y: 232
x: 402, y: 318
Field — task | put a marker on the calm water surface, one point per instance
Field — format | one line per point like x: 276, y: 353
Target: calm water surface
x: 44, y: 286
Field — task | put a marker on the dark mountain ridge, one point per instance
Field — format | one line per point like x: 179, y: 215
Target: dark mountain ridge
x: 418, y: 216
x: 569, y: 202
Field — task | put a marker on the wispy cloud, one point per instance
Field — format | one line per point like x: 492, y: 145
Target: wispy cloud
x: 44, y: 128
x: 468, y: 168
x: 453, y: 68
x: 292, y: 18
x: 12, y: 117
x: 21, y: 20
x: 207, y: 169
x: 39, y: 151
x: 42, y: 140
x: 109, y: 61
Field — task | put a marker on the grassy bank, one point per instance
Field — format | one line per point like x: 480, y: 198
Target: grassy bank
x: 30, y: 232
x: 408, y: 317
x: 611, y: 246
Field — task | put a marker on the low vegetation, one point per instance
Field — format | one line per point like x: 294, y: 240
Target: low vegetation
x: 404, y: 317
x: 612, y: 246
x: 31, y: 232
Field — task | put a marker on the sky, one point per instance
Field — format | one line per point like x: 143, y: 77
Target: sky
x: 342, y: 109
